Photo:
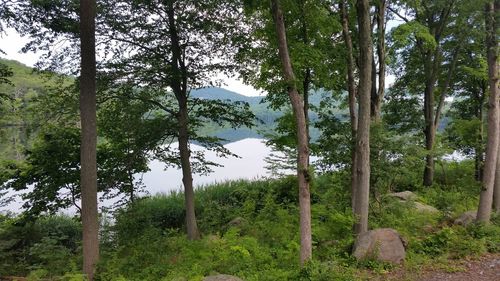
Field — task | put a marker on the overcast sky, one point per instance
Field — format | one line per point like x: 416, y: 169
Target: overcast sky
x: 12, y: 43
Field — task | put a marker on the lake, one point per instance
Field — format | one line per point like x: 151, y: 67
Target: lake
x: 249, y: 165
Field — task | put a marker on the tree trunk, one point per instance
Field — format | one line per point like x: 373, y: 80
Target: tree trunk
x: 373, y: 95
x: 363, y: 133
x: 187, y: 175
x: 302, y: 142
x: 496, y: 189
x: 429, y: 131
x: 479, y: 161
x: 88, y: 175
x: 306, y: 83
x: 381, y: 58
x: 490, y: 164
x: 351, y: 89
x: 179, y: 86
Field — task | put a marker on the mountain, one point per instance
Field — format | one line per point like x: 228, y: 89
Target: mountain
x: 215, y: 93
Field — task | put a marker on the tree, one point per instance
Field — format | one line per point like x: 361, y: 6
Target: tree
x: 377, y: 95
x: 363, y: 132
x: 490, y: 163
x: 466, y: 129
x: 88, y: 146
x: 297, y: 103
x: 352, y: 93
x: 429, y: 44
x: 160, y: 61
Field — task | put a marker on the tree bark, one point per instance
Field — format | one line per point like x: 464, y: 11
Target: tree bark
x: 88, y: 174
x: 479, y: 158
x: 187, y: 175
x: 429, y: 130
x: 306, y: 83
x: 363, y: 133
x: 179, y: 86
x: 490, y: 164
x: 381, y: 58
x: 351, y: 90
x: 496, y: 189
x: 302, y: 142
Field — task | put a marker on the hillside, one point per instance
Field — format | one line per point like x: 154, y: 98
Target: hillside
x: 27, y: 85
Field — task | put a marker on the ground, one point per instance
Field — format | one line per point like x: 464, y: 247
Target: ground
x: 484, y: 268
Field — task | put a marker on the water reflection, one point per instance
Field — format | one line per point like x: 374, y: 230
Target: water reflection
x: 251, y: 165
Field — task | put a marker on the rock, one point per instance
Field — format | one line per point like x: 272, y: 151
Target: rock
x: 466, y: 218
x: 383, y: 244
x: 425, y: 208
x: 404, y: 195
x: 238, y: 221
x: 221, y: 277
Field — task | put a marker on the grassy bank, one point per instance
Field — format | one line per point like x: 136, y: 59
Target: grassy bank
x: 250, y: 229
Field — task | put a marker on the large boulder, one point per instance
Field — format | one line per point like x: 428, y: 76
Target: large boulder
x: 420, y: 207
x: 466, y: 218
x: 383, y: 244
x: 236, y: 222
x: 407, y: 196
x: 404, y: 195
x: 221, y: 277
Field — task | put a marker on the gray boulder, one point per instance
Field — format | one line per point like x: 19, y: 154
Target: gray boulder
x: 383, y: 244
x: 236, y: 222
x: 425, y: 208
x: 466, y: 218
x: 404, y: 195
x: 221, y: 277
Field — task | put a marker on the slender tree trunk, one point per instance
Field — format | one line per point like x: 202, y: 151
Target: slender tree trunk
x: 429, y: 130
x: 381, y: 58
x: 302, y: 142
x: 490, y: 164
x: 374, y: 94
x: 351, y: 89
x: 179, y: 87
x: 363, y: 133
x: 479, y: 161
x: 88, y: 180
x: 496, y: 189
x: 306, y: 83
x: 187, y: 175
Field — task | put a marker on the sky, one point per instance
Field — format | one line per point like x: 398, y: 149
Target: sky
x: 12, y: 43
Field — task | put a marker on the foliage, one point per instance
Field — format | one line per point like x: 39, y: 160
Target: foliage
x: 251, y: 231
x: 49, y: 245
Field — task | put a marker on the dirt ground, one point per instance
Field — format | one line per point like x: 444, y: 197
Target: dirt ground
x: 484, y: 268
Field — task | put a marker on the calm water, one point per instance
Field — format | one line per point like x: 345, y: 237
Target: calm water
x: 251, y: 165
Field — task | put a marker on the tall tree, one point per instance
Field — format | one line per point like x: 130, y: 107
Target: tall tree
x: 429, y: 45
x: 161, y: 62
x: 88, y: 157
x: 363, y: 133
x: 378, y: 93
x: 352, y: 93
x: 297, y: 103
x: 486, y: 197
